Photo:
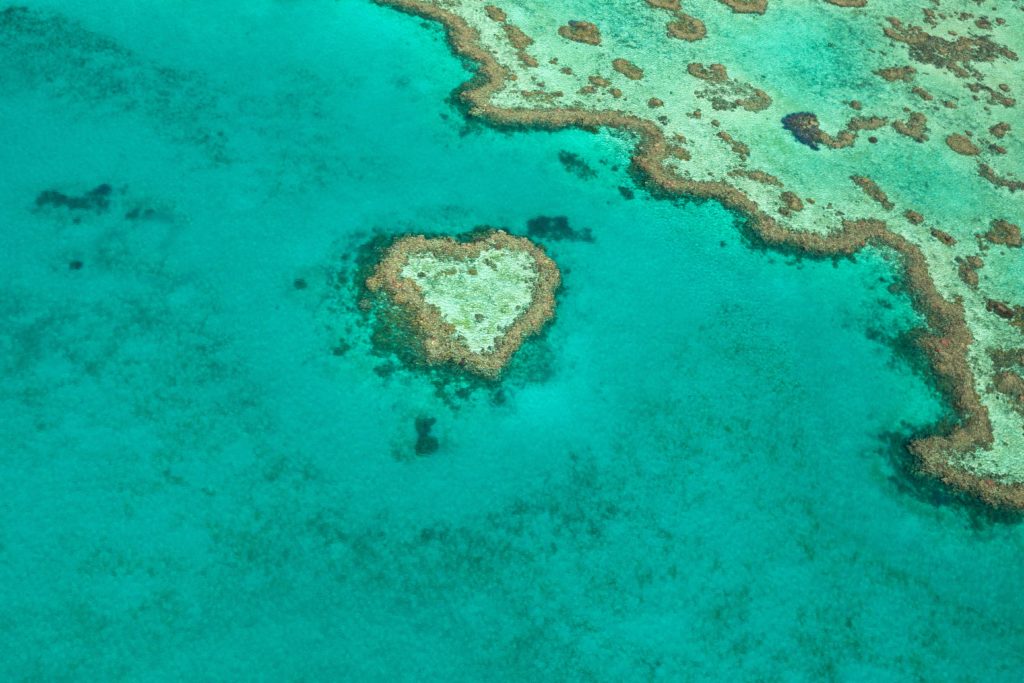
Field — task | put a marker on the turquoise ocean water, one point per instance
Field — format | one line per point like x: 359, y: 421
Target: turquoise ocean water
x: 207, y: 472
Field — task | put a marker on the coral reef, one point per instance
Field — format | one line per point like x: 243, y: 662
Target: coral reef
x: 470, y: 303
x: 921, y: 90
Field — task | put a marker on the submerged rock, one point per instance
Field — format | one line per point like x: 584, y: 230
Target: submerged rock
x: 557, y: 228
x: 425, y: 442
x: 96, y: 199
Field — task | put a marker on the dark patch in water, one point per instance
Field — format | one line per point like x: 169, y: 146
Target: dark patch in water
x: 385, y: 370
x: 626, y: 193
x: 96, y: 199
x: 556, y: 228
x: 425, y: 442
x: 139, y: 213
x: 575, y: 164
x: 75, y: 265
x: 342, y: 347
x: 804, y: 127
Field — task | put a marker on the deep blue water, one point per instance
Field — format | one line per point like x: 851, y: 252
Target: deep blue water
x: 207, y: 472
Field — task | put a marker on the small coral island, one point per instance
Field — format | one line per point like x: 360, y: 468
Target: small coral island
x: 472, y: 303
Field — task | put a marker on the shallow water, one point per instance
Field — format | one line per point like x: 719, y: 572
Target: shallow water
x: 208, y: 472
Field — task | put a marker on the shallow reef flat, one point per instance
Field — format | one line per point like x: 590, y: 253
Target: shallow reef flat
x: 832, y: 125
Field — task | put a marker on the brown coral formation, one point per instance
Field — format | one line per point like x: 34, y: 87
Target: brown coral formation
x: 859, y: 123
x: 738, y: 148
x: 1004, y: 233
x: 871, y: 189
x: 989, y: 174
x: 686, y: 27
x: 725, y: 93
x: 943, y: 236
x: 898, y: 73
x: 628, y: 69
x: 1007, y: 358
x: 519, y: 40
x: 961, y: 144
x: 713, y: 73
x: 922, y: 93
x: 581, y: 32
x: 746, y: 6
x: 791, y: 203
x: 516, y: 37
x: 682, y: 25
x: 1008, y: 379
x: 915, y: 127
x: 438, y: 340
x: 807, y: 129
x: 495, y: 13
x: 756, y: 176
x: 1000, y: 129
x: 1000, y: 308
x: 967, y: 269
x: 994, y: 96
x: 1011, y: 384
x: 957, y: 56
x: 913, y: 216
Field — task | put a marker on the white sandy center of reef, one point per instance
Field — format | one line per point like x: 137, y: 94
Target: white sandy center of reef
x: 480, y: 297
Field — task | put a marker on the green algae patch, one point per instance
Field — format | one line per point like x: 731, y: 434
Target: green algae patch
x: 469, y: 303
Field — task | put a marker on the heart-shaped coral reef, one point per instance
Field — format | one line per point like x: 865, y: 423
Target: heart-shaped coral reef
x: 472, y: 303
